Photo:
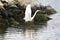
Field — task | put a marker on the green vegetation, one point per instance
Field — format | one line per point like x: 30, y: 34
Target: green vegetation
x: 39, y: 18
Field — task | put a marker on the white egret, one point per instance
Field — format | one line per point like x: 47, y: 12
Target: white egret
x: 28, y: 14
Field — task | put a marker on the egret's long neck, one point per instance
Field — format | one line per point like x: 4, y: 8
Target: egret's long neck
x: 34, y: 14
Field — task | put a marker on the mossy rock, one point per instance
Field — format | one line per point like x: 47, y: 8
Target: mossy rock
x: 13, y: 22
x: 50, y: 10
x: 3, y: 24
x: 44, y: 9
x: 41, y: 18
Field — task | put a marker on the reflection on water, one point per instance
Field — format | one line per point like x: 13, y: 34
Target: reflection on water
x: 47, y: 31
x: 26, y: 32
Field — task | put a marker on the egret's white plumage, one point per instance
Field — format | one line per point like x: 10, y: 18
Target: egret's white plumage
x: 28, y: 13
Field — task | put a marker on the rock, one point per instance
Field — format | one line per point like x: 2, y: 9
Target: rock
x: 50, y: 10
x: 13, y: 22
x: 41, y: 18
x: 3, y: 24
x: 44, y: 9
x: 14, y: 15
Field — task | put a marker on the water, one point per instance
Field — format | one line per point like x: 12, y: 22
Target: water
x: 47, y: 31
